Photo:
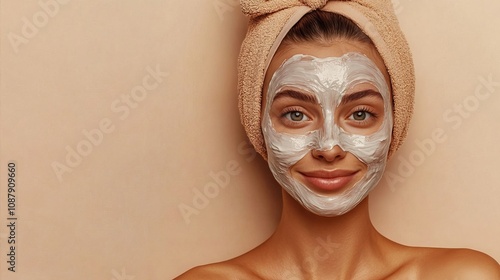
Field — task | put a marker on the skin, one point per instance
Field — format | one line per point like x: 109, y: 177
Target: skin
x: 307, y: 246
x: 296, y: 111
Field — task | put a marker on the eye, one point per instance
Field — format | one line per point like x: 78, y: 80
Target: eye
x: 296, y: 116
x: 360, y: 115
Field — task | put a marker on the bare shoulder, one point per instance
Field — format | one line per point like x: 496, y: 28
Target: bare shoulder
x: 217, y: 271
x: 200, y: 272
x: 459, y: 264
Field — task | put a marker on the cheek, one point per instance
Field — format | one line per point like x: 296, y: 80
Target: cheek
x: 285, y: 149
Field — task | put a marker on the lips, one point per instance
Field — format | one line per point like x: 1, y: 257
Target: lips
x: 328, y: 181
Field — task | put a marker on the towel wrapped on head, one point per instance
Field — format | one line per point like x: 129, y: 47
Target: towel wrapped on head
x: 270, y: 21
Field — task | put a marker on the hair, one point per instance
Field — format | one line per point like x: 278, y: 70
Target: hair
x: 323, y: 27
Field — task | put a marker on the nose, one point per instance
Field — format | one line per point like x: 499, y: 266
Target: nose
x: 330, y: 155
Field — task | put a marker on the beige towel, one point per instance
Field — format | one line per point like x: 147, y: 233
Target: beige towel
x: 270, y: 20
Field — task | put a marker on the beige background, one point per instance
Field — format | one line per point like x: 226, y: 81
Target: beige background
x: 115, y: 214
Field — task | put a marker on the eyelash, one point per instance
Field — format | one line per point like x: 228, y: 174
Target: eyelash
x: 292, y: 109
x: 372, y: 115
x: 368, y: 110
x: 365, y: 109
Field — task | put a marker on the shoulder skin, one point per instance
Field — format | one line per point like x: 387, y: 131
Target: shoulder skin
x: 217, y: 271
x: 460, y: 264
x: 439, y: 264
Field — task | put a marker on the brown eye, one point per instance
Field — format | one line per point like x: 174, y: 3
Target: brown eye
x: 296, y: 116
x: 360, y: 115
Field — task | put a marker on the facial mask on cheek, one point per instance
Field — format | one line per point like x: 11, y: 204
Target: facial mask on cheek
x: 328, y: 79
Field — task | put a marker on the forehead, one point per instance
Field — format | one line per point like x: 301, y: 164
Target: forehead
x: 337, y: 48
x: 326, y: 74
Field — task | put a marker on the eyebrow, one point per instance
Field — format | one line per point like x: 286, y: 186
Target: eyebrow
x: 297, y: 95
x: 359, y: 95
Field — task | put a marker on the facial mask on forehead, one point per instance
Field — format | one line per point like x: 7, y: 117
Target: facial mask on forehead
x: 328, y: 79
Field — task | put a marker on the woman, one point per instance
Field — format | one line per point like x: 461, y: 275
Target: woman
x: 326, y: 94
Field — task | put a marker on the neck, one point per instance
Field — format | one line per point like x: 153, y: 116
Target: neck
x: 313, y: 247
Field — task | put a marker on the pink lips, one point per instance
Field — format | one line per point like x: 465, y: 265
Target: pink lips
x: 328, y: 180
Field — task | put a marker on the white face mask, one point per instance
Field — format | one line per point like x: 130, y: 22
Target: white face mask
x: 328, y: 79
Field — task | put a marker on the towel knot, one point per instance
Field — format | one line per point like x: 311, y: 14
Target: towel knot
x: 314, y: 4
x: 255, y: 8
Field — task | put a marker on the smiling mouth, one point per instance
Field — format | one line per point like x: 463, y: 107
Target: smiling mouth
x: 328, y: 181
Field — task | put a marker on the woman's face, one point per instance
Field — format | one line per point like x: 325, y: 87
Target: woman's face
x: 327, y: 123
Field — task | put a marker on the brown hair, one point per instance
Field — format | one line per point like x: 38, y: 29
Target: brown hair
x: 323, y: 27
